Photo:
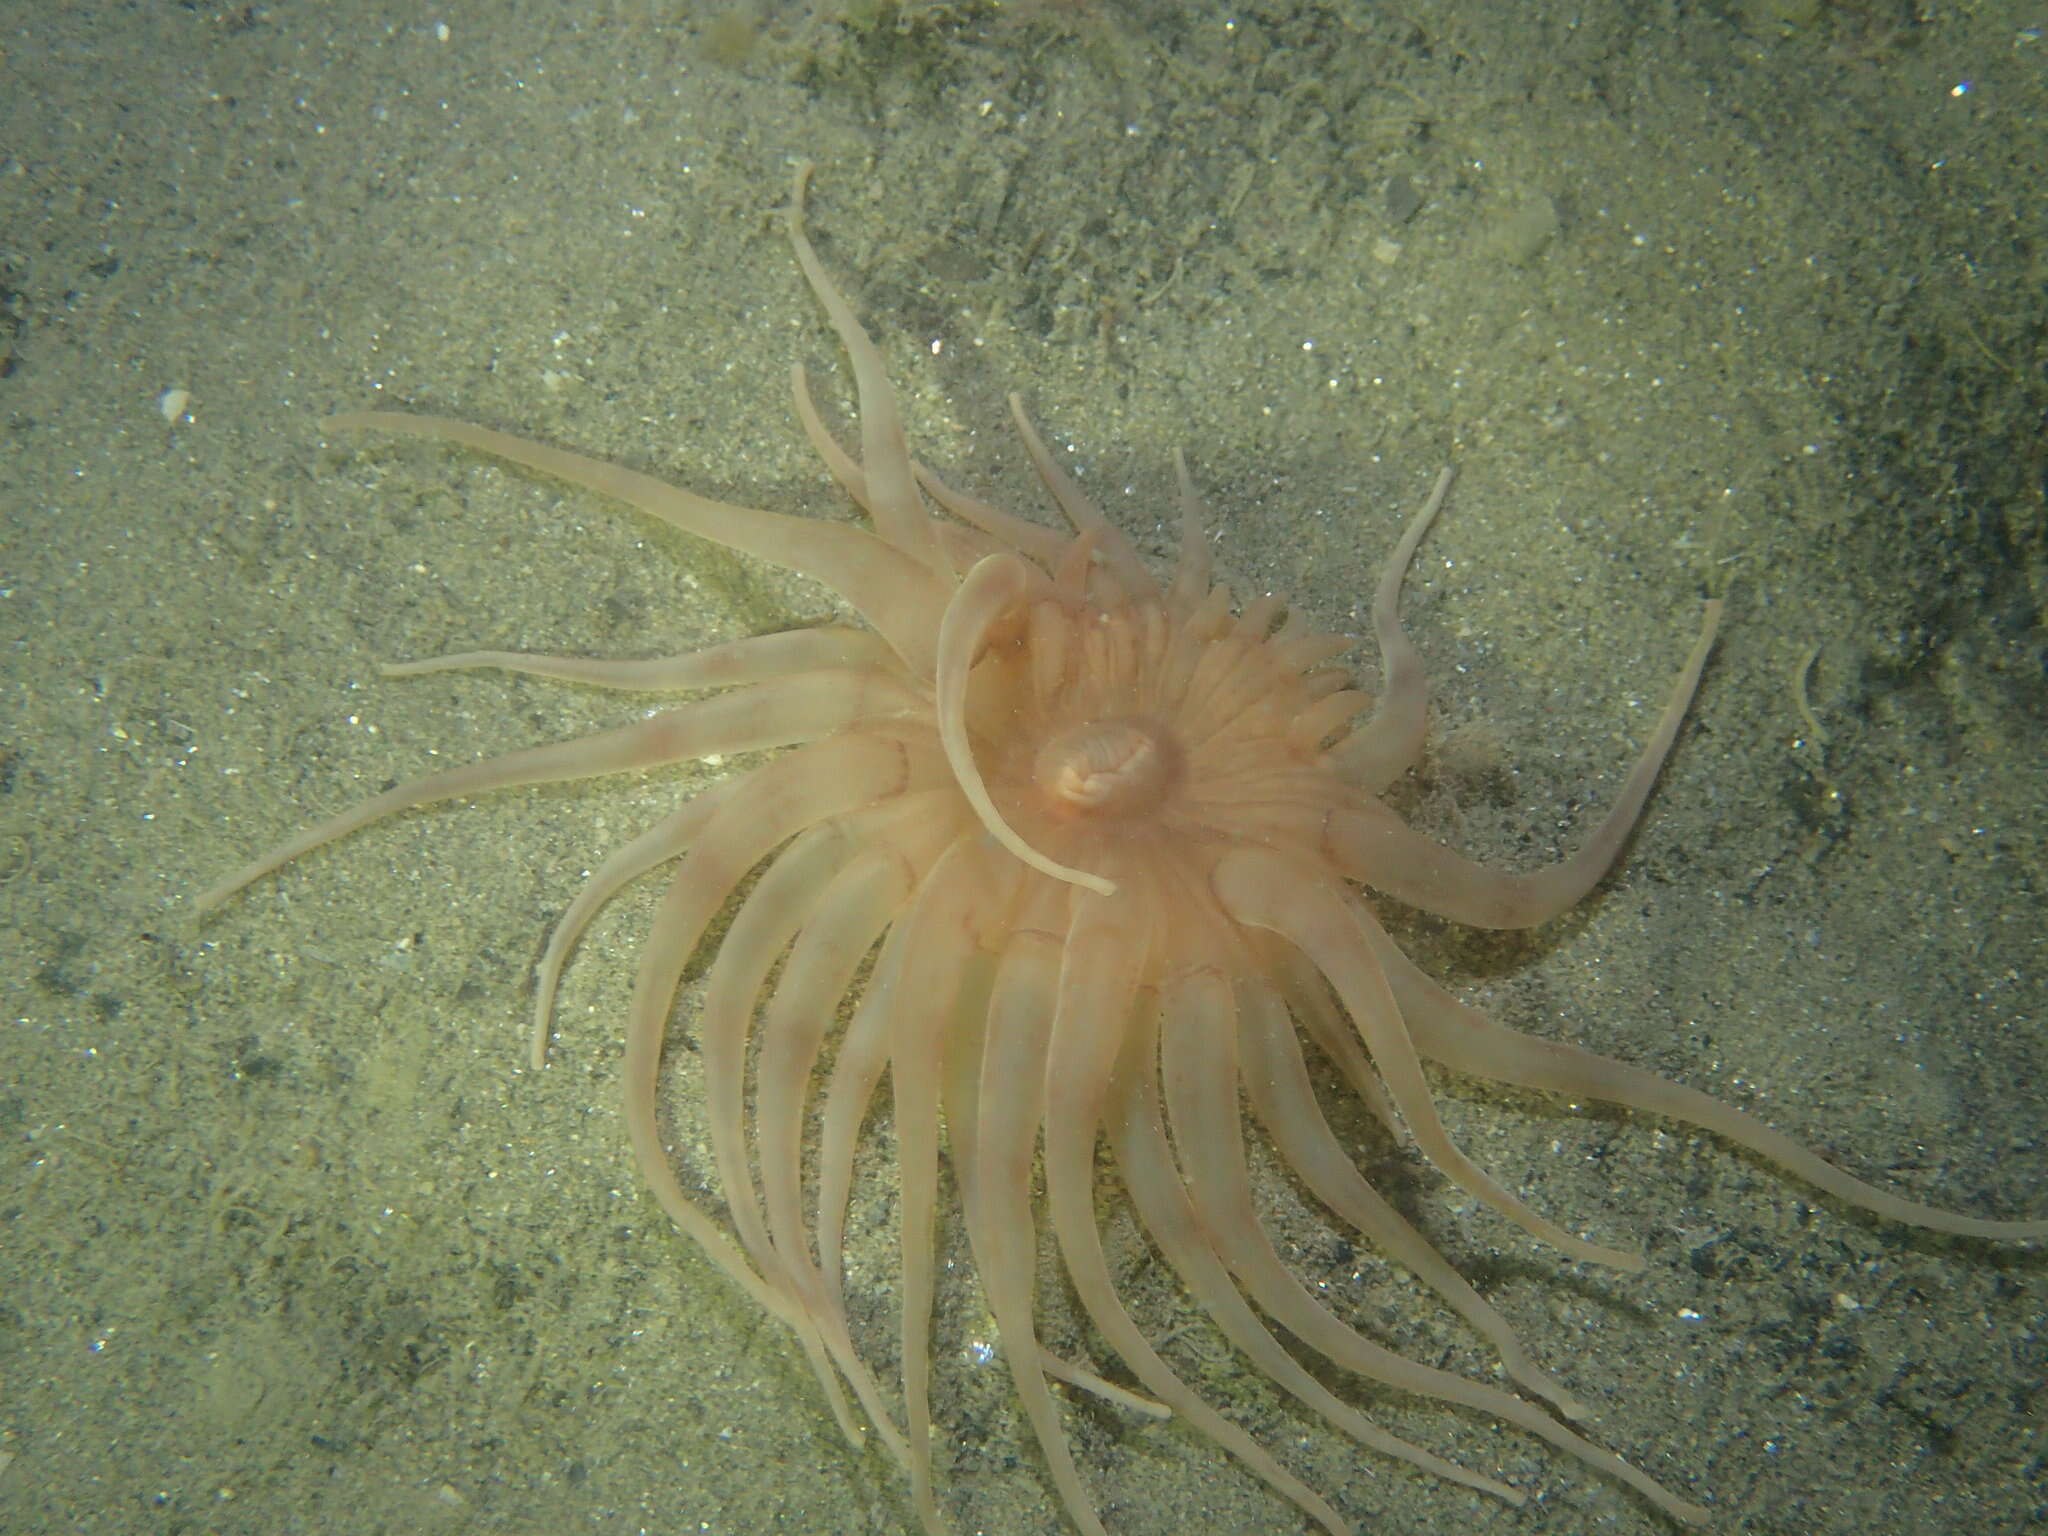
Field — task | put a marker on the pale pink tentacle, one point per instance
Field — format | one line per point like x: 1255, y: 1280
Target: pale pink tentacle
x: 1265, y: 890
x: 899, y: 596
x: 1466, y: 1040
x: 1138, y: 1134
x: 1199, y: 1069
x: 1387, y: 745
x: 753, y: 660
x: 1373, y: 846
x: 1105, y: 953
x: 791, y: 709
x: 1276, y: 1081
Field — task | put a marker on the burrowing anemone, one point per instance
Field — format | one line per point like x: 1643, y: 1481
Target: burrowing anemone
x: 1068, y: 852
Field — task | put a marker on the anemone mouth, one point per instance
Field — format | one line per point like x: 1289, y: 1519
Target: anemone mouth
x: 1109, y: 768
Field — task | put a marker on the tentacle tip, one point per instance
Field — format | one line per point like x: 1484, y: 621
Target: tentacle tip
x: 1622, y: 1259
x: 1689, y: 1513
x: 793, y: 215
x: 210, y: 900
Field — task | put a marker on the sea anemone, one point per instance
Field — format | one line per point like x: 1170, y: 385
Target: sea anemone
x: 1069, y: 852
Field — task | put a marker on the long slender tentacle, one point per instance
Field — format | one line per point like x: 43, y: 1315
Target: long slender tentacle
x: 1375, y: 847
x: 772, y: 714
x: 1191, y: 565
x: 767, y: 918
x: 1276, y: 1081
x: 945, y: 934
x: 892, y: 497
x: 1265, y: 890
x: 1199, y: 1068
x: 899, y: 596
x: 994, y: 1105
x: 856, y: 1071
x: 1466, y: 1040
x: 1105, y: 954
x: 665, y: 840
x: 755, y: 659
x: 779, y: 801
x: 1308, y: 995
x: 898, y: 844
x: 1138, y: 1134
x: 1387, y: 745
x: 1034, y: 540
x: 990, y: 591
x: 841, y: 465
x: 861, y: 901
x: 1117, y: 550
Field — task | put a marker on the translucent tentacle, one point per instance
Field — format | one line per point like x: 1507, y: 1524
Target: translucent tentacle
x: 899, y: 596
x: 1265, y: 890
x: 1387, y: 745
